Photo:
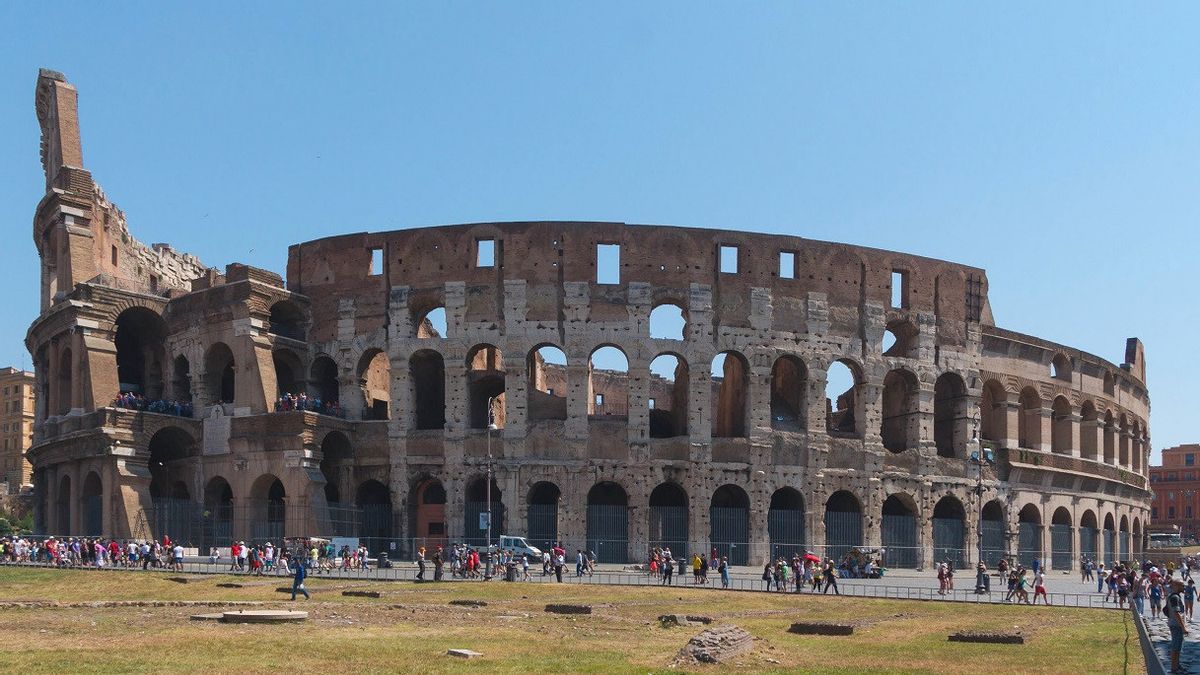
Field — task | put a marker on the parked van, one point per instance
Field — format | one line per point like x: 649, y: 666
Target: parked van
x: 519, y: 546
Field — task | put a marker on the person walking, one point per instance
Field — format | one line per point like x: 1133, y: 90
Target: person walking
x: 420, y: 563
x: 1176, y: 622
x: 1189, y: 597
x: 723, y: 567
x: 830, y: 574
x: 298, y: 580
x: 668, y: 569
x: 1039, y: 587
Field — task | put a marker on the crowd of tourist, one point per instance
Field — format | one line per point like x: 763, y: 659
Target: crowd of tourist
x: 132, y: 401
x: 302, y: 401
x: 93, y: 552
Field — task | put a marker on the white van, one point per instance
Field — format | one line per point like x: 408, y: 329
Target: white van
x: 519, y: 546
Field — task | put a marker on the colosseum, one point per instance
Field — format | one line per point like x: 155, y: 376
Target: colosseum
x: 625, y: 386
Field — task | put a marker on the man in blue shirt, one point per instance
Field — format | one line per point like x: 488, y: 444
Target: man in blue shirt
x: 298, y: 580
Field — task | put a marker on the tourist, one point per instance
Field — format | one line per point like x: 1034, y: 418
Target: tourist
x: 177, y: 557
x: 525, y: 566
x: 438, y: 564
x: 668, y: 570
x: 767, y: 576
x: 1176, y: 621
x: 1039, y: 587
x: 723, y: 568
x: 941, y: 577
x: 560, y: 561
x: 830, y: 578
x: 696, y: 565
x: 298, y: 580
x: 1156, y: 597
x: 1100, y: 579
x: 1122, y: 588
x: 420, y: 563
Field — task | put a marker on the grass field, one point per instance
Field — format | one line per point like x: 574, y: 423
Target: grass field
x: 411, y: 626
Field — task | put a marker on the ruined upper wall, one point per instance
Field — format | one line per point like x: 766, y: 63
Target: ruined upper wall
x: 549, y: 256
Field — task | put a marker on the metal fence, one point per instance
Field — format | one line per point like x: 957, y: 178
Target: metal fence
x: 949, y: 541
x: 1029, y: 542
x: 843, y: 531
x: 1061, y: 554
x: 899, y: 534
x: 669, y: 528
x: 1088, y: 537
x: 785, y: 527
x: 608, y: 532
x: 731, y: 533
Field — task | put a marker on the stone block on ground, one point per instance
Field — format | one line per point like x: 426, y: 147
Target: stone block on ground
x: 717, y: 645
x: 988, y: 638
x: 469, y: 603
x: 672, y: 620
x: 263, y: 616
x: 463, y: 653
x: 228, y: 585
x: 569, y: 609
x: 216, y: 616
x: 361, y: 594
x: 821, y: 628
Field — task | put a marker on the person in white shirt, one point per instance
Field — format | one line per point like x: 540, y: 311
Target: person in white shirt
x: 177, y: 558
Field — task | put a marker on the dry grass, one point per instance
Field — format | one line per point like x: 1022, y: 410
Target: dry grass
x: 411, y: 626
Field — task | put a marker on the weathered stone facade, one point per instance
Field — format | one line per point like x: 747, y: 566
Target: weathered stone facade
x: 742, y: 449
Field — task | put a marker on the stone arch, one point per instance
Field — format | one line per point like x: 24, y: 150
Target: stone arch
x: 731, y: 395
x: 181, y: 379
x: 1029, y: 535
x: 608, y: 382
x: 898, y: 529
x: 1029, y: 423
x: 843, y: 524
x: 1060, y: 427
x: 1089, y: 426
x: 608, y: 522
x: 544, y: 500
x: 373, y: 500
x: 1089, y: 535
x: 546, y: 368
x: 670, y: 382
x: 475, y: 504
x: 287, y: 320
x: 140, y: 337
x: 950, y: 531
x: 1110, y: 539
x: 1123, y: 539
x: 789, y: 388
x: 1123, y: 441
x: 994, y: 412
x: 431, y: 323
x: 337, y: 459
x: 1062, y: 551
x: 785, y: 523
x: 1138, y: 544
x: 992, y: 528
x: 220, y: 373
x: 268, y: 509
x: 91, y: 505
x: 171, y: 456
x: 217, y: 529
x: 485, y: 386
x: 950, y: 415
x: 289, y: 373
x: 844, y: 407
x: 427, y: 383
x: 669, y: 518
x: 1110, y: 438
x: 375, y: 379
x: 1060, y: 367
x: 323, y: 379
x: 427, y: 509
x: 901, y: 425
x: 668, y: 321
x: 729, y: 523
x: 901, y: 339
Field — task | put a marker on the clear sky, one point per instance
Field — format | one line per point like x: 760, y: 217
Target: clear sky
x: 1057, y: 145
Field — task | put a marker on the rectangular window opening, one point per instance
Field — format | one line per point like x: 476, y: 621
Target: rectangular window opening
x: 899, y: 289
x: 1189, y: 459
x: 787, y: 265
x: 376, y: 262
x: 599, y: 399
x: 153, y: 283
x: 729, y: 259
x: 485, y: 252
x: 114, y: 256
x: 608, y: 263
x: 652, y: 404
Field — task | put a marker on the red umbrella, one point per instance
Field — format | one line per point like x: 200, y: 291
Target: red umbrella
x: 809, y: 556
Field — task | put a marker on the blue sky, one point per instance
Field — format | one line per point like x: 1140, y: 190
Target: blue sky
x: 1057, y: 145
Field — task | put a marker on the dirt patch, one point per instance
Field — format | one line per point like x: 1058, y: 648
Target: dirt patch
x: 569, y: 609
x: 1014, y: 638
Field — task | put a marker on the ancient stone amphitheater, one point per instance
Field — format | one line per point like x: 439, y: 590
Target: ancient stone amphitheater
x: 646, y: 385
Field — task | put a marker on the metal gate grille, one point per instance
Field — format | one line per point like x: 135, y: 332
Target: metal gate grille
x: 93, y: 516
x: 216, y: 527
x: 473, y: 534
x: 785, y: 527
x: 1029, y: 543
x: 669, y: 529
x: 608, y: 532
x: 949, y: 541
x: 1124, y: 545
x: 900, y: 540
x: 1061, y: 554
x: 1110, y: 545
x: 179, y: 519
x: 730, y: 533
x: 1087, y: 542
x: 541, y: 529
x: 993, y: 541
x: 843, y: 531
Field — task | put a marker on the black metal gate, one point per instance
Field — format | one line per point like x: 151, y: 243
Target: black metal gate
x: 473, y: 534
x: 1061, y: 553
x: 669, y: 529
x: 1110, y: 546
x: 608, y: 532
x: 730, y: 533
x: 1087, y: 542
x: 177, y: 518
x: 900, y: 540
x: 1029, y: 543
x: 993, y: 542
x: 843, y: 531
x: 949, y: 541
x: 541, y: 525
x: 93, y: 516
x: 1124, y: 545
x: 216, y: 527
x: 785, y: 527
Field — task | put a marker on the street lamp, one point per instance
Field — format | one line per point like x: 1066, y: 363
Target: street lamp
x: 490, y: 428
x: 980, y: 460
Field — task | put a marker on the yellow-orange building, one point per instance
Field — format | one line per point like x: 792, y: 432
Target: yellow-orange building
x: 16, y: 427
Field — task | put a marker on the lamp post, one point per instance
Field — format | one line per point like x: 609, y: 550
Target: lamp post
x: 977, y: 458
x: 490, y: 428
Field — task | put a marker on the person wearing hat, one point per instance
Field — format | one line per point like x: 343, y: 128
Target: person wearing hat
x: 1176, y: 621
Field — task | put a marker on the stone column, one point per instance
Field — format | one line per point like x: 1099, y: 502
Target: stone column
x: 1011, y: 410
x: 1074, y: 440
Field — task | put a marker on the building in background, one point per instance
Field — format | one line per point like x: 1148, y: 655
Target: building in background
x: 1176, y: 486
x: 16, y: 428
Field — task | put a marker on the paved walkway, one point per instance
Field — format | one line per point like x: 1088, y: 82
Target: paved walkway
x: 1160, y: 635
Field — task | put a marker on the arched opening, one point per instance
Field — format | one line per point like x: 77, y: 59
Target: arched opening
x: 608, y: 383
x: 842, y: 415
x: 427, y: 377
x: 789, y: 382
x: 1089, y: 536
x: 729, y: 523
x: 1123, y: 442
x: 323, y: 380
x: 547, y: 390
x: 427, y: 504
x: 172, y: 462
x: 475, y: 527
x: 217, y: 529
x: 843, y: 524
x: 542, y: 517
x: 287, y: 320
x: 667, y: 322
x: 268, y: 509
x: 1137, y: 539
x: 900, y: 339
x: 730, y: 392
x: 91, y: 505
x: 1029, y: 424
x: 485, y: 386
x: 66, y: 394
x: 375, y: 377
x: 337, y: 461
x: 949, y: 532
x: 63, y: 506
x: 432, y: 324
x: 1110, y: 386
x: 1123, y: 539
x: 669, y: 378
x: 1110, y: 540
x: 1089, y: 430
x: 608, y: 522
x: 141, y: 352
x: 288, y: 373
x: 374, y: 502
x: 669, y: 518
x: 1060, y: 428
x: 901, y: 427
x: 991, y: 527
x: 181, y: 379
x: 899, y: 532
x: 1110, y: 438
x: 785, y: 523
x: 993, y: 411
x: 1135, y: 447
x: 1061, y: 546
x: 950, y: 416
x: 1060, y: 368
x: 1029, y: 535
x: 219, y: 372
